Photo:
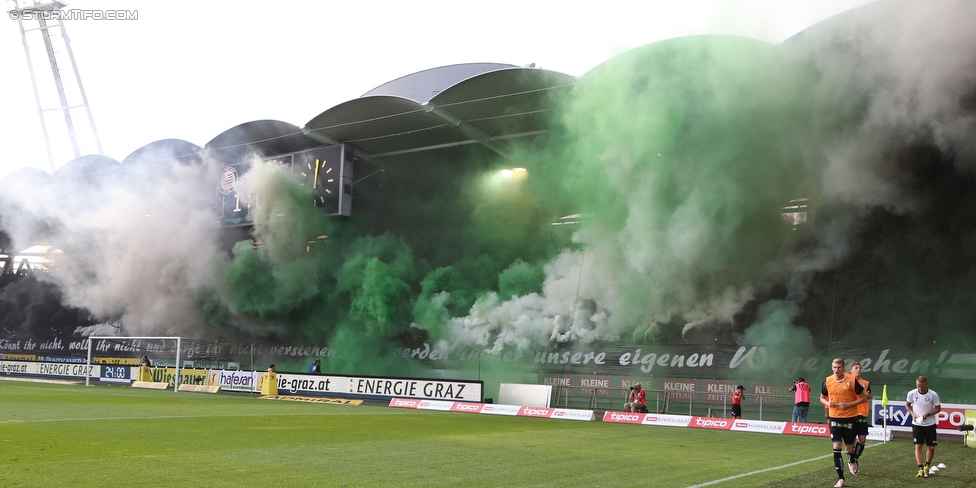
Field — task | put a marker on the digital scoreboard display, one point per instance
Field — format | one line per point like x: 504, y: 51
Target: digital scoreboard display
x: 111, y: 372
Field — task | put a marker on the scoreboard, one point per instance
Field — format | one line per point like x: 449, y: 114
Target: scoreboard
x: 328, y: 171
x: 115, y: 372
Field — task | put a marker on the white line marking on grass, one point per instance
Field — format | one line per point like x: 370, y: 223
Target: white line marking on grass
x: 155, y: 417
x: 743, y: 475
x: 790, y: 465
x: 40, y: 380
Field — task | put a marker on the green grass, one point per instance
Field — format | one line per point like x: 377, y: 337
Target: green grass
x: 72, y: 435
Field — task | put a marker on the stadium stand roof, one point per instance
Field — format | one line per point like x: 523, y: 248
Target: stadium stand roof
x: 24, y: 177
x: 847, y: 28
x: 88, y: 167
x: 490, y: 104
x: 164, y: 150
x: 423, y: 85
x: 264, y: 137
x: 489, y: 108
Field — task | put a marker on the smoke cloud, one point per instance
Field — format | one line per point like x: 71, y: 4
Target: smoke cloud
x: 138, y: 241
x: 670, y: 170
x: 686, y: 152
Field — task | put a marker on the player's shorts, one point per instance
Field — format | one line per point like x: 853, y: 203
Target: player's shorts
x: 861, y: 426
x: 842, y: 430
x: 925, y: 434
x: 736, y: 410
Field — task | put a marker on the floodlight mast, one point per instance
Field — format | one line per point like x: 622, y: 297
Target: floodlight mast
x: 179, y: 348
x: 42, y: 11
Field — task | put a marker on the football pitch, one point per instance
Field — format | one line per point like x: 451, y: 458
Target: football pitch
x: 72, y: 435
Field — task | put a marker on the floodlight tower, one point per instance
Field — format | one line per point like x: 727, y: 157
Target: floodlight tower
x: 71, y: 97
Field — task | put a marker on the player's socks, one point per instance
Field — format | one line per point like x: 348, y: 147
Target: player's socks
x: 838, y: 464
x: 852, y: 464
x: 858, y: 450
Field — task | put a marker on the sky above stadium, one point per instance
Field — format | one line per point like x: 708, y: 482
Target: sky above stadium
x: 190, y: 70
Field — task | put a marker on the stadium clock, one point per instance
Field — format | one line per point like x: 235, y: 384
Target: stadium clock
x: 329, y: 173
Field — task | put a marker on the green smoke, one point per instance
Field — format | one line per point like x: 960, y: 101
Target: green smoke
x: 668, y: 170
x: 775, y: 326
x: 679, y: 155
x: 281, y: 273
x: 683, y: 152
x: 377, y: 283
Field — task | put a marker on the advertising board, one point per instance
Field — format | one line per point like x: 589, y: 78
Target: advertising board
x: 361, y: 386
x: 897, y: 418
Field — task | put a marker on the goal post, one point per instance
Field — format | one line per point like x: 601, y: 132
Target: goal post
x: 179, y: 348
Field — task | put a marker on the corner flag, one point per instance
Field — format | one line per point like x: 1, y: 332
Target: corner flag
x: 884, y: 417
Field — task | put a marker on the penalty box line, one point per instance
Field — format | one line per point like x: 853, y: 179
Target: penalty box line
x: 790, y: 465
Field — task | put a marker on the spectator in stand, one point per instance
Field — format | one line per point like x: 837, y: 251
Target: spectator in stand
x: 737, y: 402
x: 272, y: 369
x: 146, y: 362
x: 638, y: 400
x: 316, y: 367
x: 801, y: 399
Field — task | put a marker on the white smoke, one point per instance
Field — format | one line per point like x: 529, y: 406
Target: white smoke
x: 915, y: 65
x: 140, y: 247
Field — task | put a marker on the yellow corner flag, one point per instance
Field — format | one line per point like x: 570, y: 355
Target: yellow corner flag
x: 884, y: 396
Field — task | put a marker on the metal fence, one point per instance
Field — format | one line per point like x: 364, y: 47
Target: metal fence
x: 703, y: 404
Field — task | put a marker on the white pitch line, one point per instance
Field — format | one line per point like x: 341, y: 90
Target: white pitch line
x: 40, y: 380
x: 743, y: 475
x: 155, y: 417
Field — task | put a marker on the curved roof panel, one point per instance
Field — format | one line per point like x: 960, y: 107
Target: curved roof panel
x: 381, y: 124
x: 424, y: 85
x: 264, y: 137
x: 847, y: 27
x: 506, y: 102
x: 487, y: 108
x: 21, y: 184
x: 88, y: 166
x: 680, y: 54
x: 24, y: 177
x: 164, y: 150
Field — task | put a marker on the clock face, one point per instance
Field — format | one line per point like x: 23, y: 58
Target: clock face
x: 321, y: 170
